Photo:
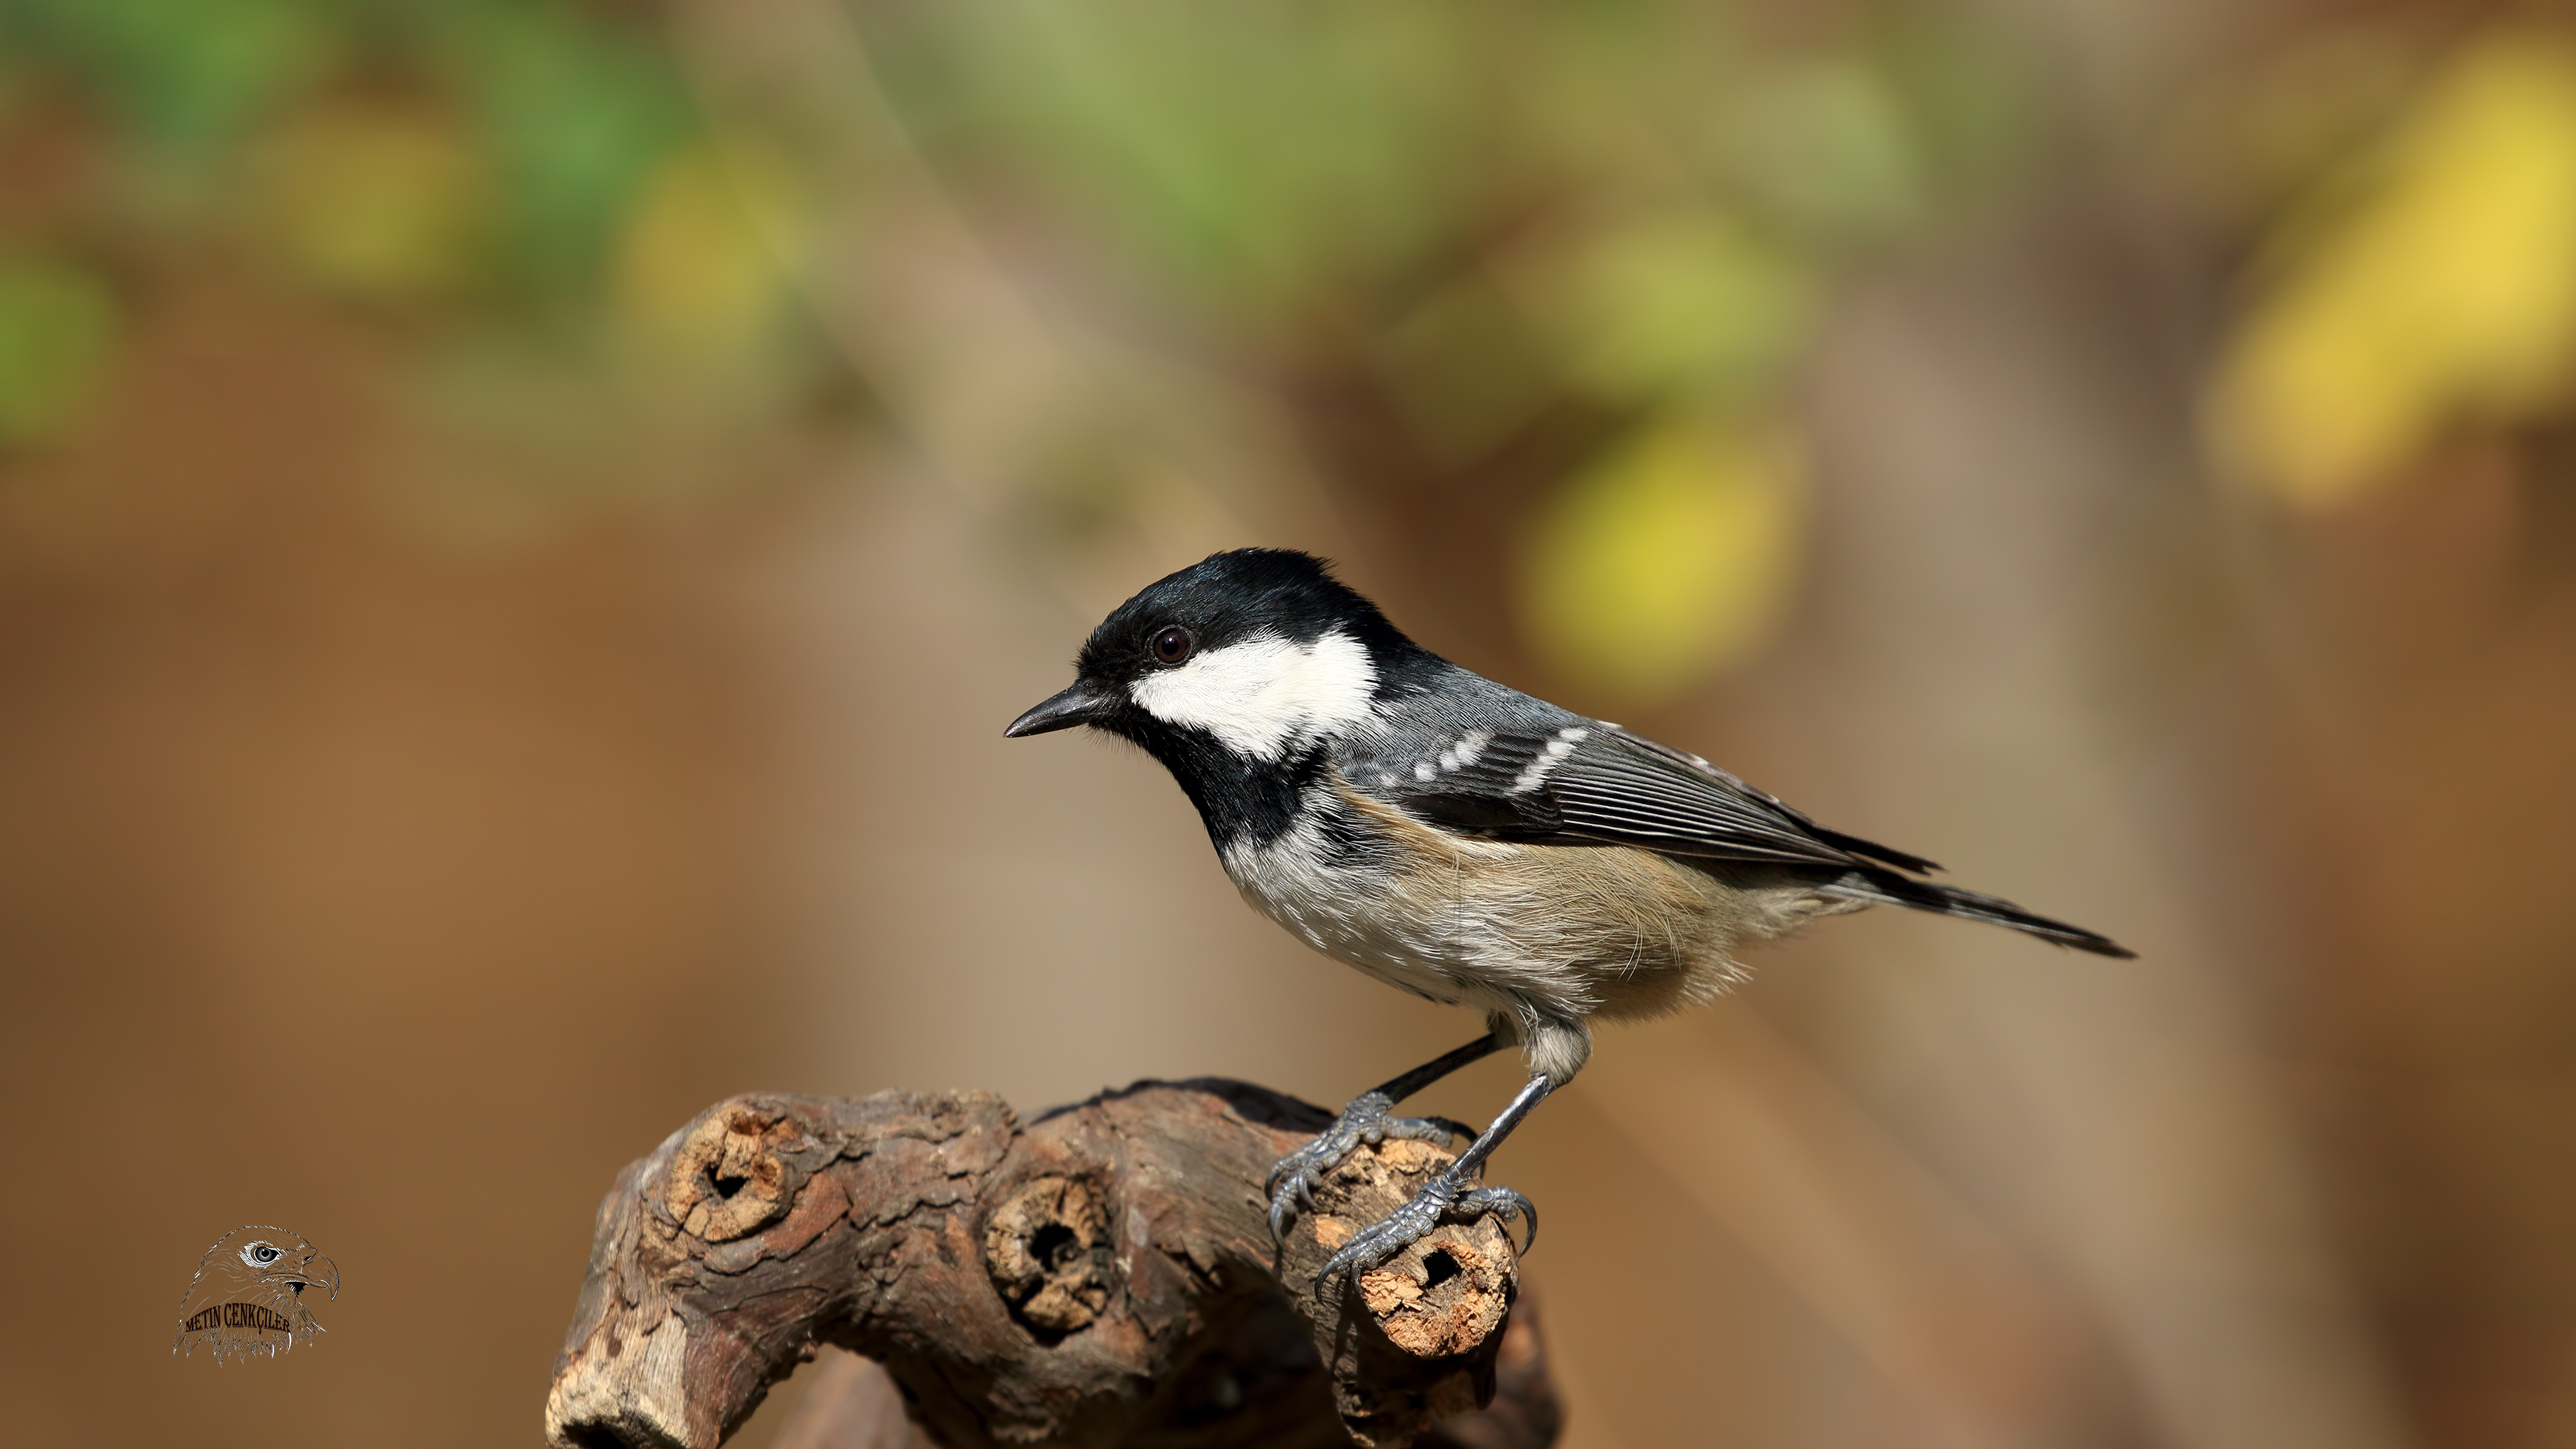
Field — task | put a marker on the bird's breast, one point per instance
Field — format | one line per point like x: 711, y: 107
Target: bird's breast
x: 1331, y: 880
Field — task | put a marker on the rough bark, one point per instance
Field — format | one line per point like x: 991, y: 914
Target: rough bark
x: 1101, y: 1276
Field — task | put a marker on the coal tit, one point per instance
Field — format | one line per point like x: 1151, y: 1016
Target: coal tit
x: 1460, y: 840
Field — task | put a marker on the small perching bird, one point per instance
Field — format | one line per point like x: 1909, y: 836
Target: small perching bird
x: 248, y: 1295
x: 1463, y: 841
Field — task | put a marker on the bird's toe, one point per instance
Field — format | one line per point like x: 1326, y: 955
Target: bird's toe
x: 1445, y: 1198
x: 1503, y: 1202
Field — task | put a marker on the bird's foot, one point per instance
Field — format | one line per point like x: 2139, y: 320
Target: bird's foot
x: 1369, y: 1118
x: 1445, y: 1198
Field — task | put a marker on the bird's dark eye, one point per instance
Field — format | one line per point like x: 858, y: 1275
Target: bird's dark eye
x: 1173, y: 645
x: 266, y: 1254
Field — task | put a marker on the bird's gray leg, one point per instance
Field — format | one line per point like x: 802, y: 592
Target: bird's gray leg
x: 1370, y: 1117
x: 1447, y: 1196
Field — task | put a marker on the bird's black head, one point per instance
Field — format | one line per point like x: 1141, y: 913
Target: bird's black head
x: 1244, y: 663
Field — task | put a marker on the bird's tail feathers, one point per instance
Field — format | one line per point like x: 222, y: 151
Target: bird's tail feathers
x: 1886, y: 887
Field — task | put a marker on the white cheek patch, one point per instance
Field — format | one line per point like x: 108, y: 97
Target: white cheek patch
x: 1260, y: 695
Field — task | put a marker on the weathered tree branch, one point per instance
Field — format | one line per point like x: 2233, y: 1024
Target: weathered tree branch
x: 1101, y: 1276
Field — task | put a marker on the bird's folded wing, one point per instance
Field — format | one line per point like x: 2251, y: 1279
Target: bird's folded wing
x: 1599, y: 784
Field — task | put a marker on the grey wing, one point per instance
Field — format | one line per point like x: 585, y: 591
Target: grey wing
x: 1593, y: 783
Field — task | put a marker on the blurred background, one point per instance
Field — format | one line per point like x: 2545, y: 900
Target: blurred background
x: 521, y: 525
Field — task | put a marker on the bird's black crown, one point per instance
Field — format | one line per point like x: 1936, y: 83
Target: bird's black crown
x: 1228, y: 597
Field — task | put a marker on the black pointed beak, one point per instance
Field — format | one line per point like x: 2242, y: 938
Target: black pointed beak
x: 317, y: 1269
x: 1078, y: 705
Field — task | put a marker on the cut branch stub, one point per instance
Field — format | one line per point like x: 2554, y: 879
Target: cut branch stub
x: 1102, y: 1274
x: 729, y: 1176
x: 1434, y: 1303
x: 1047, y: 1247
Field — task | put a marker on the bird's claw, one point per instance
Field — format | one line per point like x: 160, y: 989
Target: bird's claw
x: 1370, y: 1118
x: 1505, y: 1204
x: 1444, y: 1198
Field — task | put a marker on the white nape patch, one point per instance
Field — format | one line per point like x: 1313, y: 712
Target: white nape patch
x: 1548, y: 759
x: 1265, y: 693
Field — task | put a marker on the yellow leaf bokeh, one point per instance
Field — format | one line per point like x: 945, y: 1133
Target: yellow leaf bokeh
x: 58, y: 326
x: 378, y: 200
x: 2447, y: 295
x: 1668, y: 562
x: 1650, y: 305
x: 698, y: 271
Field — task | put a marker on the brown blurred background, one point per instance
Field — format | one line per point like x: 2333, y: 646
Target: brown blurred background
x: 521, y: 524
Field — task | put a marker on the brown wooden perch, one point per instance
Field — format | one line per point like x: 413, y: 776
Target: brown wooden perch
x: 1101, y: 1276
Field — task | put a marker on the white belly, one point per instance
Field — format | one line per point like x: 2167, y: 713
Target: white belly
x: 1570, y: 930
